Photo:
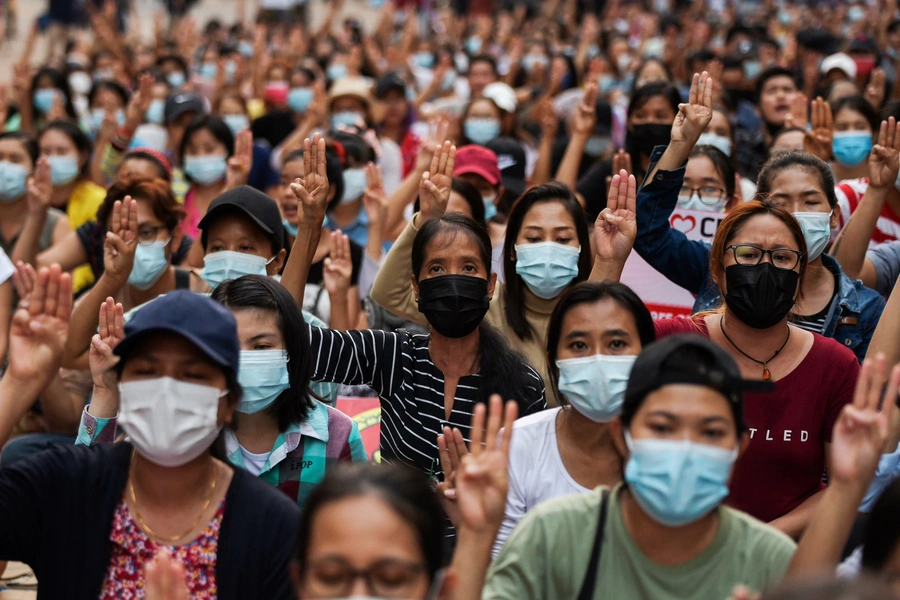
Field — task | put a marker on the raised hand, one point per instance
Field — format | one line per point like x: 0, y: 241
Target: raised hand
x: 482, y: 480
x: 40, y: 328
x: 166, y: 579
x: 585, y: 118
x: 883, y: 160
x: 621, y: 161
x: 121, y: 241
x: 818, y: 138
x: 693, y: 117
x: 438, y: 133
x: 338, y: 265
x: 40, y: 188
x: 25, y: 278
x: 375, y: 198
x: 136, y: 110
x: 875, y: 91
x: 864, y: 425
x: 101, y: 357
x: 616, y: 226
x: 58, y: 110
x: 798, y: 116
x: 548, y: 120
x: 451, y: 450
x: 241, y: 161
x: 312, y: 189
x: 434, y: 188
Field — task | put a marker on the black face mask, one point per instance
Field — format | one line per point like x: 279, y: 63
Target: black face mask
x: 760, y: 295
x: 454, y: 305
x: 643, y: 138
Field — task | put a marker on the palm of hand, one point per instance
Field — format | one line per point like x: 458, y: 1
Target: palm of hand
x: 691, y: 122
x: 612, y: 241
x: 482, y: 497
x: 337, y: 275
x: 118, y: 263
x: 883, y: 167
x: 852, y: 451
x: 40, y: 348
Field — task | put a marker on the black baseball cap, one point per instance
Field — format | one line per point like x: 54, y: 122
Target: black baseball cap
x: 259, y: 207
x: 693, y: 360
x: 392, y: 80
x: 511, y: 160
x: 204, y: 322
x: 181, y: 102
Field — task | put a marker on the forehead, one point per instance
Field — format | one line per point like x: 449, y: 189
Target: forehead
x: 765, y: 230
x: 549, y: 213
x: 203, y: 136
x: 790, y: 139
x: 10, y: 145
x: 598, y: 317
x: 700, y: 168
x: 795, y: 180
x: 719, y: 120
x: 253, y: 321
x: 54, y: 137
x: 293, y: 168
x: 849, y: 114
x: 778, y: 82
x: 687, y: 402
x: 655, y: 104
x: 145, y: 211
x: 453, y: 243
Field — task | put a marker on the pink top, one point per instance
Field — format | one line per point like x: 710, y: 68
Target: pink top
x: 192, y: 216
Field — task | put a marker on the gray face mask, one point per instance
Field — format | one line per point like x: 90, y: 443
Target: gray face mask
x: 597, y: 145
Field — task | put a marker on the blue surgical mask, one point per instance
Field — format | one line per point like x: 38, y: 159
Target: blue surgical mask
x: 752, y: 69
x: 449, y: 81
x: 230, y: 70
x: 205, y: 170
x: 547, y: 268
x: 856, y: 13
x: 299, y: 99
x: 63, y: 169
x: 291, y: 229
x: 851, y: 148
x: 156, y: 112
x: 336, y: 71
x: 44, y: 99
x: 236, y: 122
x: 263, y: 375
x: 677, y: 482
x: 245, y: 48
x: 224, y: 265
x: 424, y: 60
x: 354, y: 185
x: 816, y: 228
x: 98, y: 115
x: 346, y: 118
x: 716, y: 141
x: 176, y: 79
x: 150, y: 263
x: 208, y: 70
x: 607, y: 83
x: 473, y: 45
x: 13, y: 181
x: 595, y: 385
x: 597, y: 145
x: 530, y: 62
x: 481, y: 131
x: 490, y: 209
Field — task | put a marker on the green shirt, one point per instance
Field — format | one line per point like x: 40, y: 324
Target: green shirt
x: 548, y: 552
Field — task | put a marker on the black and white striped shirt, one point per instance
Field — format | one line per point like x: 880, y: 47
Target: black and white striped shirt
x: 398, y: 367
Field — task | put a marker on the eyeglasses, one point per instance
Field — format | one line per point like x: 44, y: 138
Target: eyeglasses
x: 148, y: 235
x: 782, y: 258
x: 709, y: 195
x: 389, y: 578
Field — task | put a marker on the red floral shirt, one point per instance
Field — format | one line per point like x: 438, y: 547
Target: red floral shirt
x: 132, y: 549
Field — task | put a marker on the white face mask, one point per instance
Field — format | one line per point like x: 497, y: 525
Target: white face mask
x: 170, y: 422
x: 816, y: 228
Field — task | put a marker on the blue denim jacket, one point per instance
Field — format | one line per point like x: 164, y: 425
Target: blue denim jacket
x: 685, y: 263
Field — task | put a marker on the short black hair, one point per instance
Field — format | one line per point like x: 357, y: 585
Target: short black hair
x: 801, y: 160
x: 862, y: 106
x: 108, y: 84
x: 484, y: 58
x: 215, y: 125
x: 27, y: 140
x: 771, y: 73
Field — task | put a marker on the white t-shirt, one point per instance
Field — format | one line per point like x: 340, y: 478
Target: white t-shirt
x: 536, y: 470
x: 254, y: 462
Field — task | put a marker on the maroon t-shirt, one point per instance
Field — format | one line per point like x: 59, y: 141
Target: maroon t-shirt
x: 784, y: 463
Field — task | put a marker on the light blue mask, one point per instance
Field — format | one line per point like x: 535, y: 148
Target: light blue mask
x: 225, y: 265
x: 299, y: 99
x: 752, y: 69
x: 481, y: 131
x: 346, y: 118
x: 473, y: 45
x: 851, y: 148
x: 291, y: 229
x: 236, y: 122
x: 597, y: 145
x: 354, y: 185
x: 150, y: 263
x: 13, y: 181
x: 607, y: 83
x: 208, y: 70
x: 98, y: 115
x: 716, y: 141
x: 176, y: 79
x: 205, y: 170
x: 336, y: 71
x: 263, y: 375
x: 156, y: 112
x: 595, y: 385
x: 816, y: 228
x: 245, y: 48
x: 449, y: 81
x: 63, y: 169
x: 424, y: 60
x: 547, y: 267
x: 490, y: 209
x: 44, y: 99
x: 677, y: 482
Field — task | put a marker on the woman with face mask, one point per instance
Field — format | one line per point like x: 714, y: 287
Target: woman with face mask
x: 347, y: 212
x: 232, y: 107
x: 205, y: 148
x: 277, y: 420
x: 106, y: 97
x: 545, y: 252
x: 855, y: 131
x: 481, y: 122
x: 423, y: 381
x: 758, y: 261
x: 829, y: 304
x: 40, y: 99
x: 164, y: 490
x: 665, y: 532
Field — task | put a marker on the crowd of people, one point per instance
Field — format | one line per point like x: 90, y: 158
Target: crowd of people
x: 209, y: 237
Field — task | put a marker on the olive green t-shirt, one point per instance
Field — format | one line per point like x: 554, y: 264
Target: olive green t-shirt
x: 548, y: 552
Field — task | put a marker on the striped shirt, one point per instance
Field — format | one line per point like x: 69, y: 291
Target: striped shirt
x: 398, y: 367
x: 849, y: 194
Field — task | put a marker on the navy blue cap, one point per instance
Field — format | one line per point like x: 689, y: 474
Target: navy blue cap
x: 200, y: 320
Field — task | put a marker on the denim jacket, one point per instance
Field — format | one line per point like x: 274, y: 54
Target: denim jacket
x: 855, y: 310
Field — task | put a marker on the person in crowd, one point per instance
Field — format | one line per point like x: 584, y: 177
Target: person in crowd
x: 46, y: 96
x: 107, y: 99
x: 423, y: 381
x: 856, y: 127
x: 829, y: 304
x: 399, y: 117
x: 786, y: 140
x: 232, y: 107
x: 347, y: 212
x: 482, y: 121
x: 162, y: 491
x: 665, y: 531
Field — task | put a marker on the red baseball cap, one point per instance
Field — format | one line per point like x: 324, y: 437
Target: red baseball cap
x: 477, y: 160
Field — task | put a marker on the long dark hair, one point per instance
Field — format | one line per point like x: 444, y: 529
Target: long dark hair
x: 256, y: 292
x: 79, y: 138
x: 590, y: 292
x: 406, y: 491
x: 499, y: 365
x: 60, y: 82
x: 216, y: 127
x: 514, y: 309
x: 796, y: 160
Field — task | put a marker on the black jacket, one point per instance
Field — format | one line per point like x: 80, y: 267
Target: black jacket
x: 56, y: 514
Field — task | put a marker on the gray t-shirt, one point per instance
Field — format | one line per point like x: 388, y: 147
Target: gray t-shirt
x: 886, y: 259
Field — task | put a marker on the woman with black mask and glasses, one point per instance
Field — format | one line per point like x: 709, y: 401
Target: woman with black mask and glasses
x: 424, y: 381
x: 758, y: 260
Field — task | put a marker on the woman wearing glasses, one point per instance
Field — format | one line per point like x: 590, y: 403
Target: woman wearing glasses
x: 830, y: 303
x: 758, y: 262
